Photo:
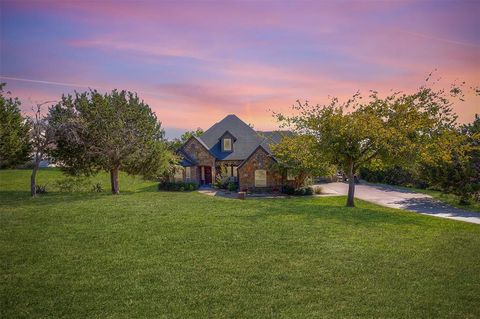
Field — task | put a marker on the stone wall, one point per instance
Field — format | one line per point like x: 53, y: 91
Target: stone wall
x: 259, y: 160
x: 197, y: 152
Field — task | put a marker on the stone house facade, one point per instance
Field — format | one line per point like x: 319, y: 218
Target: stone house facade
x: 231, y: 148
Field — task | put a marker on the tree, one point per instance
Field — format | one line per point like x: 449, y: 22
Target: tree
x: 457, y: 169
x: 14, y: 137
x: 112, y: 132
x: 297, y: 155
x: 176, y: 143
x: 394, y: 129
x: 41, y: 139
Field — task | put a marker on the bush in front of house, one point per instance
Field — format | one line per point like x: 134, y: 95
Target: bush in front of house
x: 232, y: 187
x: 317, y: 190
x: 288, y: 190
x: 177, y: 186
x: 301, y: 191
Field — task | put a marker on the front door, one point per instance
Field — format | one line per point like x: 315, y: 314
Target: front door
x: 208, y: 175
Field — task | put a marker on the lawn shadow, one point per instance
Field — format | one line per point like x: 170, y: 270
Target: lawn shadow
x: 150, y: 188
x: 23, y: 198
x: 313, y: 210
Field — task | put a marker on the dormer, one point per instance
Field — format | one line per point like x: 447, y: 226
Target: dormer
x: 226, y: 142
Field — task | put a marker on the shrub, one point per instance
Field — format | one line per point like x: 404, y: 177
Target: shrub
x: 177, y: 186
x: 97, y: 188
x: 393, y: 176
x: 288, y: 190
x: 301, y: 191
x: 317, y: 190
x: 41, y: 189
x: 232, y: 187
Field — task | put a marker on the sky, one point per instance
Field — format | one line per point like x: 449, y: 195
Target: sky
x: 194, y: 62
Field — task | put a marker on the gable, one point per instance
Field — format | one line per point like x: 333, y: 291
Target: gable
x: 260, y: 158
x: 245, y: 139
x: 197, y: 152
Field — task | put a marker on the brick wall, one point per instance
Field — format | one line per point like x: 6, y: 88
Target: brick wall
x: 259, y: 160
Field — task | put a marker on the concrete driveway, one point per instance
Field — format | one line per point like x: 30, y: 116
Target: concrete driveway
x: 395, y: 197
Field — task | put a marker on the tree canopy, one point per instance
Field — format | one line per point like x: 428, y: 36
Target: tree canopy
x: 456, y: 169
x: 394, y: 129
x: 14, y: 132
x: 297, y: 156
x: 178, y: 142
x: 113, y: 132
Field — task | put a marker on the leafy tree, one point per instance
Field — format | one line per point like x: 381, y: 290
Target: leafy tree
x: 457, y: 169
x: 393, y: 130
x: 176, y: 143
x: 297, y: 155
x: 112, y: 132
x: 14, y: 143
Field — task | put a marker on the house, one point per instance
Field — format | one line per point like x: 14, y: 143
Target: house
x: 236, y: 149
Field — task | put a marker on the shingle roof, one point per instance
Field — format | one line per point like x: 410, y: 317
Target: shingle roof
x: 247, y: 139
x: 272, y: 137
x: 185, y: 159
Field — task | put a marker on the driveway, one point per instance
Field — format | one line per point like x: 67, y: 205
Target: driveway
x: 395, y: 197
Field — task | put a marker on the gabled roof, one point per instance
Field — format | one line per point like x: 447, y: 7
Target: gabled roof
x: 228, y: 134
x: 199, y: 141
x: 259, y: 147
x: 247, y: 139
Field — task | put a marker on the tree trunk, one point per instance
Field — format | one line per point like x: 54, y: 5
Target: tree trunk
x: 33, y: 178
x: 351, y: 186
x: 114, y: 180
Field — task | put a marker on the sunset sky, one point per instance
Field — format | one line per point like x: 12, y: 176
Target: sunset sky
x: 195, y: 62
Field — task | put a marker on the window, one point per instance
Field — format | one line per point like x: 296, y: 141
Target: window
x: 290, y: 176
x: 227, y: 144
x: 178, y: 173
x: 234, y: 171
x: 187, y: 173
x: 260, y: 178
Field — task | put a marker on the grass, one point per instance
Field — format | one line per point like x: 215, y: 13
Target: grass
x: 147, y: 254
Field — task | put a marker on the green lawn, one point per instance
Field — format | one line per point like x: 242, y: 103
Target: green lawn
x: 182, y: 255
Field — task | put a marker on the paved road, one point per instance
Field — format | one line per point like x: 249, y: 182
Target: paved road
x: 395, y: 197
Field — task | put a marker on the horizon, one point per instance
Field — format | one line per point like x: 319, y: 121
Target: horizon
x: 196, y: 62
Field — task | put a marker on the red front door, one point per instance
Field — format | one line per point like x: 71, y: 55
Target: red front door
x: 208, y: 175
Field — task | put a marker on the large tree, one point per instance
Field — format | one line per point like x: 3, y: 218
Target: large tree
x: 394, y: 129
x: 456, y: 168
x: 112, y: 132
x: 297, y: 156
x: 14, y: 138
